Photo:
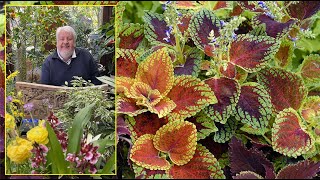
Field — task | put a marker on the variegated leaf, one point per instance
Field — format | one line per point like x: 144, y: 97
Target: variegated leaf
x: 284, y: 55
x: 163, y: 108
x: 203, y: 165
x: 185, y: 22
x: 310, y: 70
x: 204, y: 125
x: 144, y: 154
x: 145, y: 123
x: 303, y: 9
x: 157, y: 71
x: 252, y: 52
x: 190, y: 95
x: 310, y: 109
x: 273, y: 28
x: 126, y: 63
x: 192, y: 65
x: 187, y: 4
x: 123, y: 85
x: 225, y: 131
x: 201, y: 24
x: 227, y: 92
x: 168, y: 139
x: 156, y: 28
x: 289, y: 135
x: 144, y: 95
x: 144, y: 173
x: 128, y: 106
x: 130, y: 36
x: 302, y: 170
x: 247, y: 175
x: 285, y: 88
x: 254, y: 107
x: 234, y: 72
x: 121, y: 6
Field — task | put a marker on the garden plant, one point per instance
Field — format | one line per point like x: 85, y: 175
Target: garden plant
x: 219, y: 90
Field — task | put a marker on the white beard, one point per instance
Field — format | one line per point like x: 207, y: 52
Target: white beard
x: 66, y: 54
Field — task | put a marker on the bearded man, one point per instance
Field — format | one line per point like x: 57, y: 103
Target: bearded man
x: 68, y: 61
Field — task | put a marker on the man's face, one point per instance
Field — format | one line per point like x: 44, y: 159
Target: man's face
x: 65, y: 43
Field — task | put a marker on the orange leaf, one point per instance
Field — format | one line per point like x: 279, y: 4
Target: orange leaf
x: 128, y: 106
x: 163, y: 108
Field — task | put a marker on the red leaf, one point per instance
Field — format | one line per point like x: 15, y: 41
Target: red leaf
x: 251, y: 52
x: 143, y: 173
x: 130, y: 36
x: 310, y: 68
x: 185, y: 21
x: 284, y: 55
x: 285, y: 88
x: 169, y: 139
x: 247, y: 175
x: 144, y: 154
x: 163, y: 108
x: 203, y: 165
x: 227, y: 92
x: 128, y: 106
x: 190, y: 95
x: 289, y: 136
x: 310, y: 110
x: 123, y: 85
x: 303, y: 9
x: 126, y: 63
x: 301, y: 170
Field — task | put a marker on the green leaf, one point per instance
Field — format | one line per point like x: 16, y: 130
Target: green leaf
x: 55, y: 155
x: 76, y: 131
x: 110, y: 165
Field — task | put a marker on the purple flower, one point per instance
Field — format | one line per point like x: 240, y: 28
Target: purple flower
x: 234, y: 36
x: 88, y: 156
x: 222, y: 23
x: 28, y: 107
x: 9, y: 99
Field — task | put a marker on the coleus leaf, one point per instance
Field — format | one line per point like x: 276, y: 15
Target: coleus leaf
x: 126, y: 63
x: 310, y: 69
x: 121, y: 6
x: 254, y: 107
x: 163, y: 108
x: 144, y: 154
x: 144, y: 173
x: 144, y: 95
x: 145, y: 123
x: 185, y: 22
x: 303, y: 9
x: 203, y: 165
x: 157, y: 71
x: 302, y: 170
x: 285, y: 88
x: 252, y: 52
x: 2, y: 102
x: 247, y: 175
x: 284, y: 55
x: 156, y: 28
x: 128, y: 106
x: 193, y: 62
x: 310, y: 109
x: 123, y: 85
x: 144, y: 55
x: 190, y: 94
x: 243, y: 159
x: 169, y: 139
x: 187, y: 4
x: 122, y: 127
x: 201, y: 24
x: 225, y: 131
x: 204, y: 125
x: 227, y: 92
x: 234, y: 72
x: 289, y: 135
x: 130, y: 36
x: 273, y: 28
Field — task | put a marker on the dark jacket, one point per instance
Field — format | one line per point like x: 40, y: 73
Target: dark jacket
x: 55, y: 71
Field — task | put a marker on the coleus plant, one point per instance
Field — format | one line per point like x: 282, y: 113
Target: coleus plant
x: 210, y: 71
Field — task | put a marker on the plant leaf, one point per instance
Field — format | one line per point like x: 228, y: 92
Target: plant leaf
x: 192, y: 65
x: 252, y: 52
x: 163, y: 108
x: 126, y: 63
x: 254, y: 107
x: 144, y: 95
x: 225, y: 131
x: 2, y: 101
x: 144, y: 154
x: 289, y: 136
x: 76, y: 131
x: 284, y: 55
x: 247, y: 175
x: 185, y: 22
x: 145, y: 123
x: 273, y: 28
x: 310, y: 109
x: 124, y: 84
x: 128, y: 106
x: 303, y: 9
x: 310, y: 69
x: 243, y: 159
x: 227, y: 92
x: 157, y: 71
x: 201, y: 24
x: 110, y: 165
x: 301, y: 170
x: 169, y: 139
x: 155, y: 29
x: 285, y: 88
x: 143, y: 173
x: 130, y: 36
x: 203, y: 165
x: 190, y: 94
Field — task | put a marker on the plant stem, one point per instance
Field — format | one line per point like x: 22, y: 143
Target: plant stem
x: 267, y: 139
x: 178, y: 49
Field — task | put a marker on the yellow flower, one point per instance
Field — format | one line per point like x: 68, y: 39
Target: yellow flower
x: 38, y: 134
x: 10, y: 122
x: 12, y: 75
x: 19, y: 150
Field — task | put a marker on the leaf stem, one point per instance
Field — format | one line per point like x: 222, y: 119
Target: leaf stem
x: 267, y: 139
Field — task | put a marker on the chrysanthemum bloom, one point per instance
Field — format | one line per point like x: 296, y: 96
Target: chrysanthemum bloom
x: 38, y: 134
x: 19, y: 150
x: 9, y: 120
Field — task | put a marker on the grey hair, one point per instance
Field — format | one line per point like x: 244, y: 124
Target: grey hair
x: 68, y: 29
